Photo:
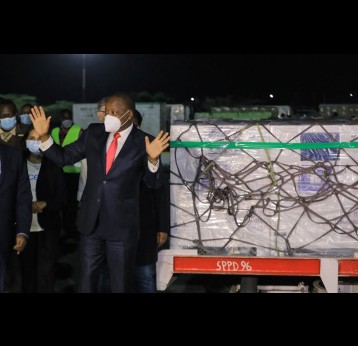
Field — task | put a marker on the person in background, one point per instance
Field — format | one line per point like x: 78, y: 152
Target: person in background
x: 48, y: 197
x: 119, y: 156
x: 11, y: 133
x: 67, y: 133
x: 24, y: 116
x: 15, y: 205
x: 101, y: 109
x: 154, y: 226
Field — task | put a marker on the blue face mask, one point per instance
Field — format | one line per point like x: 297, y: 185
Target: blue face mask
x: 8, y: 124
x: 33, y: 146
x: 25, y: 119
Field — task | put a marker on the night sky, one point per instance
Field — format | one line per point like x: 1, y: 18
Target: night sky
x: 308, y: 77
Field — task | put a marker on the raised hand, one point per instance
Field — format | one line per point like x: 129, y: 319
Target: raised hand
x: 157, y: 146
x: 40, y: 122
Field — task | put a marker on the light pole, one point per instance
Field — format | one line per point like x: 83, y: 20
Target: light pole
x: 83, y: 78
x: 191, y: 115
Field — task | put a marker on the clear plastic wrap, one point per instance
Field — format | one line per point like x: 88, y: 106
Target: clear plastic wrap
x: 264, y: 202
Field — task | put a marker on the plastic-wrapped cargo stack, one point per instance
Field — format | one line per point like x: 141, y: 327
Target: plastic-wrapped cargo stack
x: 265, y: 189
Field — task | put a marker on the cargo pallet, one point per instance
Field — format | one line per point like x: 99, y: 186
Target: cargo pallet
x: 172, y: 262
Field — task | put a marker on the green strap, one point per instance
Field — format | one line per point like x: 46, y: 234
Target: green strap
x: 262, y: 145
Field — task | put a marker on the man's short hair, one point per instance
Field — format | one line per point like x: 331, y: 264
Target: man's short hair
x: 9, y: 103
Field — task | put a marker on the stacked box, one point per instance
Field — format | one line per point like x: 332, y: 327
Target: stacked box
x: 273, y: 202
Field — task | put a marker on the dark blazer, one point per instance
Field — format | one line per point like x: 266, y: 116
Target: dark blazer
x: 51, y: 188
x: 154, y: 217
x: 15, y: 196
x: 109, y: 200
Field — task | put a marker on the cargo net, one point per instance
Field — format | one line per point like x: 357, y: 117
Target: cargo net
x: 264, y: 202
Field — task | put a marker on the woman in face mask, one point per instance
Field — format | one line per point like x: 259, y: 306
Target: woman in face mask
x: 48, y: 195
x: 11, y: 132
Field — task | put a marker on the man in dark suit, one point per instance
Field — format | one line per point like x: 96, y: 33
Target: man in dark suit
x: 15, y: 204
x: 109, y: 216
x: 12, y: 133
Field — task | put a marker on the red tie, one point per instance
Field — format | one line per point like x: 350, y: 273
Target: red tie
x: 111, y: 152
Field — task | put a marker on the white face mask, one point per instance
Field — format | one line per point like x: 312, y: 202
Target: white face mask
x: 112, y: 123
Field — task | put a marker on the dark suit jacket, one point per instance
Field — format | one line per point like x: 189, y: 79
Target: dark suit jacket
x: 154, y: 218
x: 15, y: 196
x: 111, y: 200
x: 51, y: 188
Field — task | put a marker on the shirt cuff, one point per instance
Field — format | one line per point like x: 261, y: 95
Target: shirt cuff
x: 153, y: 168
x: 26, y: 236
x: 45, y: 145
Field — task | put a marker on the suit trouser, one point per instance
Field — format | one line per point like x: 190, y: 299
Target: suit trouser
x: 94, y: 248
